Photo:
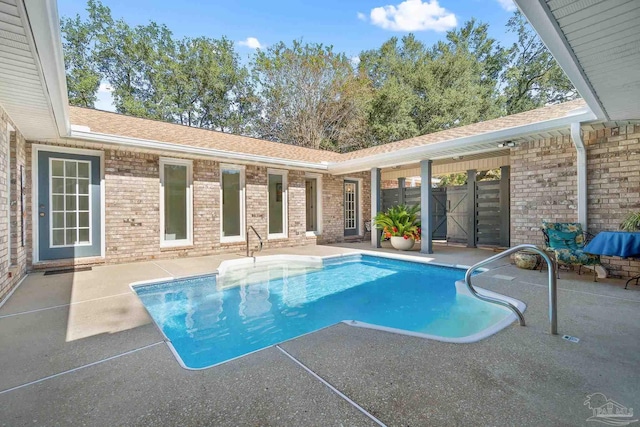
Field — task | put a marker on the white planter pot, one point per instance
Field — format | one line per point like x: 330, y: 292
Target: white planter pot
x: 402, y: 244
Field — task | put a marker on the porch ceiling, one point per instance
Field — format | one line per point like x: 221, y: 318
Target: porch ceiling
x: 32, y: 92
x: 596, y: 42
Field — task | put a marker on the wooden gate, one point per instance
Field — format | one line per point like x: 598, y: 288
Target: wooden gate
x: 476, y: 215
x: 411, y: 196
x: 457, y: 214
x: 439, y: 213
x: 488, y: 213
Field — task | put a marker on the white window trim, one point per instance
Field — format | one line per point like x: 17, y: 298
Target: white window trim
x: 285, y: 204
x: 361, y: 229
x: 9, y: 192
x: 189, y: 240
x: 243, y: 210
x: 318, y: 230
x: 50, y: 213
x: 35, y: 149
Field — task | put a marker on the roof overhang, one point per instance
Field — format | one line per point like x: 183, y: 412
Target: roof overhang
x: 33, y: 88
x: 210, y: 153
x: 596, y: 44
x: 470, y: 145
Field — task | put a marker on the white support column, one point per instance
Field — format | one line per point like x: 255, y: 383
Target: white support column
x: 576, y: 136
x: 376, y: 205
x: 426, y: 217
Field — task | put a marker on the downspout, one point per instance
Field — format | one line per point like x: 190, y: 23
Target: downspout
x: 576, y: 136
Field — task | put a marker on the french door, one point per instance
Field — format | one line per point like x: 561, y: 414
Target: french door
x: 351, y: 213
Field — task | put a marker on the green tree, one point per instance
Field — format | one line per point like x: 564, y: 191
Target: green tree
x: 195, y: 82
x: 80, y: 54
x: 394, y: 71
x: 419, y: 90
x: 208, y: 88
x: 310, y: 96
x: 533, y: 78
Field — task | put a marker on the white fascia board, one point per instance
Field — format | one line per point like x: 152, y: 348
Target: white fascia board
x: 545, y: 24
x: 199, y: 151
x: 43, y: 27
x: 424, y: 152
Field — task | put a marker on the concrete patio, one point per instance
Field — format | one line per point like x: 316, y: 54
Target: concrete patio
x: 80, y: 349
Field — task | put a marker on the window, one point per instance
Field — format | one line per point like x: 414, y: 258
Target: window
x: 313, y: 204
x: 233, y: 204
x: 176, y: 202
x: 70, y: 210
x: 10, y: 195
x: 277, y: 189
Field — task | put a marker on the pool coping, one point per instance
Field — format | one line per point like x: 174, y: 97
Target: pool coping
x: 460, y: 288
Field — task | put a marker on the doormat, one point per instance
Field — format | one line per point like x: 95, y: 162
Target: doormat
x: 67, y: 270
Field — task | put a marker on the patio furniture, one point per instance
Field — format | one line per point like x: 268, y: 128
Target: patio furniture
x: 621, y: 244
x: 567, y: 240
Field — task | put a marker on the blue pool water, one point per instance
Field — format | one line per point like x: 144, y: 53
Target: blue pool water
x: 208, y: 323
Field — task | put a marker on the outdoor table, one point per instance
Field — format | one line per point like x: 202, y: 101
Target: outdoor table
x: 622, y: 244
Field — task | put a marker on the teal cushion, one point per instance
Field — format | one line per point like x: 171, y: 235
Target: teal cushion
x: 562, y: 239
x: 576, y: 257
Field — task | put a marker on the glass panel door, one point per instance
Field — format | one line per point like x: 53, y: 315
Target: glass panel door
x: 69, y: 217
x: 350, y: 208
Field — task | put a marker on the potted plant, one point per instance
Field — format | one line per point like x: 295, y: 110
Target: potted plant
x: 400, y: 224
x: 631, y: 222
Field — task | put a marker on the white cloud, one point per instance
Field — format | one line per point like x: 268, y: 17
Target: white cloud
x: 355, y: 60
x: 251, y: 43
x: 508, y: 5
x: 362, y: 16
x: 413, y: 15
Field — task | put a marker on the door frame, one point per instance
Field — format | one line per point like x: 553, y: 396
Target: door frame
x: 35, y: 150
x: 361, y: 229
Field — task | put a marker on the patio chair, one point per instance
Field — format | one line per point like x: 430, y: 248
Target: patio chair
x: 566, y: 240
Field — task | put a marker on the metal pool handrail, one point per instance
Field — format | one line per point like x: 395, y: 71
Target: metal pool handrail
x: 259, y: 238
x: 553, y: 297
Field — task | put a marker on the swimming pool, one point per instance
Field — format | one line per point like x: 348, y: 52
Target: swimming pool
x: 211, y: 319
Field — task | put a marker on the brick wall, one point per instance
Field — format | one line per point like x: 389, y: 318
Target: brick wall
x: 333, y: 206
x: 543, y: 186
x: 13, y: 263
x: 613, y: 165
x: 132, y: 199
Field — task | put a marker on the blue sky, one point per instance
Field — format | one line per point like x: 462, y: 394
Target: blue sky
x: 351, y: 26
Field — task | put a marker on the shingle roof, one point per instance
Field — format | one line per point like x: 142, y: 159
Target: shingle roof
x: 514, y: 120
x: 121, y: 125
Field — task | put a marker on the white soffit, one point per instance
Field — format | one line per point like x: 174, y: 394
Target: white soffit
x: 597, y: 43
x: 26, y: 80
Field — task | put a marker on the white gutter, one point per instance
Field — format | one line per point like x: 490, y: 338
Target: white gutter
x: 546, y: 25
x: 422, y: 152
x: 123, y: 141
x: 44, y: 23
x: 576, y: 136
